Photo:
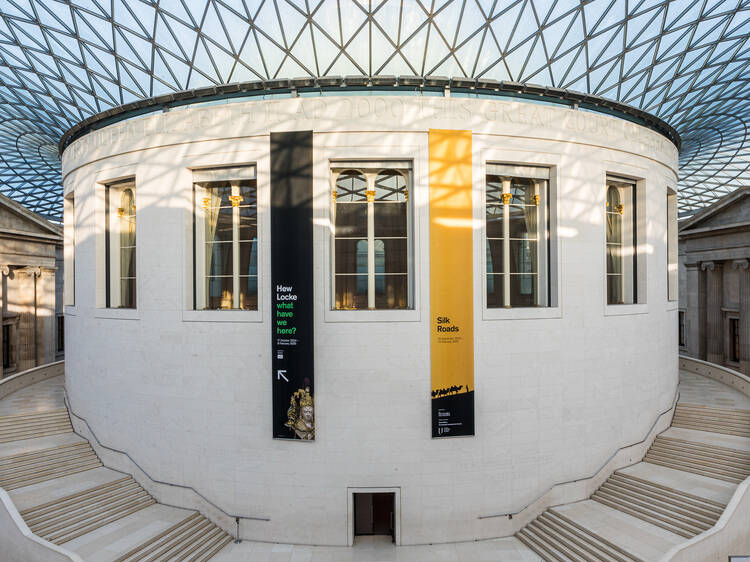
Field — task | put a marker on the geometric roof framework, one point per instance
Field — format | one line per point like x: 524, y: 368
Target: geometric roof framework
x: 685, y: 62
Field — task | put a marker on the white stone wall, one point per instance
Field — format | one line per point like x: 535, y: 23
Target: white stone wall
x: 188, y: 394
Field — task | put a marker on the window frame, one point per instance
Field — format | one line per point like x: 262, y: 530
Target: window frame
x: 672, y: 247
x: 112, y: 282
x: 222, y: 173
x: 682, y: 328
x: 255, y: 154
x: 543, y: 237
x: 491, y: 155
x: 371, y: 170
x: 69, y: 250
x: 732, y: 333
x: 370, y: 146
x: 627, y: 196
x: 632, y: 174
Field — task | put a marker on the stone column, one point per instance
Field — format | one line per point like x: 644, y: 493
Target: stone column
x: 27, y: 323
x: 46, y: 346
x: 694, y: 329
x: 744, y: 271
x: 4, y: 272
x: 714, y: 324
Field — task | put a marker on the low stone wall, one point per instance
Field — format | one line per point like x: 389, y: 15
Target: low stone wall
x: 16, y: 382
x: 735, y: 379
x: 730, y: 536
x: 17, y: 542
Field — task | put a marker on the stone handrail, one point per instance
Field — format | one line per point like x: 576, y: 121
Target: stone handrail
x: 17, y: 542
x: 11, y: 384
x: 729, y: 536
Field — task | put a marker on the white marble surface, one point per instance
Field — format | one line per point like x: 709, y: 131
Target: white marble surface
x: 40, y: 397
x: 695, y: 389
x: 380, y: 549
x: 189, y: 397
x: 637, y: 537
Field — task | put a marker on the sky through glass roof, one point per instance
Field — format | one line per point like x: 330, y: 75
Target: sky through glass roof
x: 683, y: 61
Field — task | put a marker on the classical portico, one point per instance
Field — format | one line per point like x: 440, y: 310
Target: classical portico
x: 715, y: 282
x: 30, y: 268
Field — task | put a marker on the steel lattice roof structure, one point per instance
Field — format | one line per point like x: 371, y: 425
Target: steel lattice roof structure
x: 686, y: 62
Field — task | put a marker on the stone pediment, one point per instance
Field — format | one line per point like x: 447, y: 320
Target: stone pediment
x: 18, y: 220
x: 731, y: 210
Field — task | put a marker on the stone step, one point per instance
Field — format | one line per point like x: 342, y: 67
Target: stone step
x: 47, y: 464
x: 194, y: 538
x: 556, y: 537
x: 29, y: 426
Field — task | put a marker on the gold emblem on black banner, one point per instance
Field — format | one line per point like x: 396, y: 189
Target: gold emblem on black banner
x: 301, y: 415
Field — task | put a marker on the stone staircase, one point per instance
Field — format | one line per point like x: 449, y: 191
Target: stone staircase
x: 678, y: 491
x: 67, y: 497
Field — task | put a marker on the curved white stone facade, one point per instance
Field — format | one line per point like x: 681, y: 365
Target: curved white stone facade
x: 187, y: 394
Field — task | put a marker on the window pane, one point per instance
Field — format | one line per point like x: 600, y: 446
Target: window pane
x: 127, y: 262
x: 351, y: 220
x: 219, y: 259
x: 390, y: 219
x: 523, y: 257
x: 494, y: 221
x: 389, y: 186
x: 523, y: 221
x: 495, y: 290
x: 248, y: 258
x: 248, y: 228
x: 614, y: 228
x: 351, y: 256
x: 391, y: 256
x: 351, y: 291
x: 614, y: 289
x: 127, y: 293
x: 219, y: 292
x: 351, y: 186
x: 391, y: 291
x: 494, y: 256
x: 248, y: 191
x: 248, y: 293
x: 614, y: 259
x: 523, y: 290
x: 522, y: 191
x: 494, y: 193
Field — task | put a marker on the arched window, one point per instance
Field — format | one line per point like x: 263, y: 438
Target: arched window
x: 621, y: 250
x: 127, y: 249
x: 120, y: 245
x: 371, y: 240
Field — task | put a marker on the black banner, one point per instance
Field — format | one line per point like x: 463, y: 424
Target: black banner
x: 292, y: 285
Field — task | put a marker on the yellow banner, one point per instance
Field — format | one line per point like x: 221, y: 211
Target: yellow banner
x: 451, y: 283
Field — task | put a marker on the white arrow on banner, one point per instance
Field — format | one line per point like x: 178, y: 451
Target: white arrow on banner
x: 280, y: 375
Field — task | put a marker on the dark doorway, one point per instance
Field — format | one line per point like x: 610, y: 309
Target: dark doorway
x: 373, y: 514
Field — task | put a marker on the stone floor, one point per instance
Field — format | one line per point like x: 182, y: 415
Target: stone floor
x: 380, y: 549
x: 695, y: 389
x: 43, y: 396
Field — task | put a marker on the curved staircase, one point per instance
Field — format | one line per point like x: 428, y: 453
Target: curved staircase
x: 68, y: 498
x: 678, y: 491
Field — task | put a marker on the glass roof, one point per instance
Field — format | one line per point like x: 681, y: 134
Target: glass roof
x: 683, y: 61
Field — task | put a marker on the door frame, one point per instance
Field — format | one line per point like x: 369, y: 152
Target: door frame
x: 350, y: 491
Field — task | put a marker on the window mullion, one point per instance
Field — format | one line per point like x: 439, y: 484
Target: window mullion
x: 506, y: 242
